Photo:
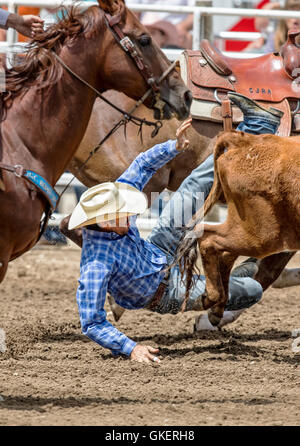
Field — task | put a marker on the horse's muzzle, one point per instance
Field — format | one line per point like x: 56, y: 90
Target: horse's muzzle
x: 178, y: 106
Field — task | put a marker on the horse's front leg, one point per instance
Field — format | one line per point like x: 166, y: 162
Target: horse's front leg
x: 3, y: 269
x: 75, y: 235
x: 5, y: 253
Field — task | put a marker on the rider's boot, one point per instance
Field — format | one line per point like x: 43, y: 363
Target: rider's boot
x: 257, y: 119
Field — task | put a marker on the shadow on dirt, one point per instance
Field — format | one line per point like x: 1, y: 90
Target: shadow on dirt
x: 231, y: 343
x: 268, y: 335
x: 42, y: 405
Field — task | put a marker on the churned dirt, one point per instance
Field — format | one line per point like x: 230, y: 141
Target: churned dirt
x: 50, y: 374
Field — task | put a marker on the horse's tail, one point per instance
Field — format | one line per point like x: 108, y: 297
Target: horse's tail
x: 187, y: 252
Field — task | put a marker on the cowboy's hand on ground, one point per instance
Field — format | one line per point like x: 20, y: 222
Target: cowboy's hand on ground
x: 28, y: 25
x: 182, y: 141
x: 144, y: 353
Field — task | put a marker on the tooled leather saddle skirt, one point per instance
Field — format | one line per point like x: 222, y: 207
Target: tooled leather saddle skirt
x: 270, y: 79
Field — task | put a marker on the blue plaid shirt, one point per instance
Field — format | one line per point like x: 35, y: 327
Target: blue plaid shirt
x: 128, y: 267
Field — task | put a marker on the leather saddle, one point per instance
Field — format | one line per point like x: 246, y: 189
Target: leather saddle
x: 270, y: 79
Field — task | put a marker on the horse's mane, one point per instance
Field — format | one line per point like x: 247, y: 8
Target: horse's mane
x: 38, y: 67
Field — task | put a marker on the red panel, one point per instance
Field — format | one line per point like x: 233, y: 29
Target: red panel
x: 243, y: 25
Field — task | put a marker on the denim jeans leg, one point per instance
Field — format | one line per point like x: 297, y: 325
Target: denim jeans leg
x: 183, y: 204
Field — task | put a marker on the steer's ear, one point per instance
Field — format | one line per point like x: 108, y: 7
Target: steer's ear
x: 112, y: 6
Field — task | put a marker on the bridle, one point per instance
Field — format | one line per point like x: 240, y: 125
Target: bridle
x: 112, y: 23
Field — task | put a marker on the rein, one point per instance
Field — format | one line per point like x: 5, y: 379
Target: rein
x: 127, y: 115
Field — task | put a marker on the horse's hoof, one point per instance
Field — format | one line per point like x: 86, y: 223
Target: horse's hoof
x: 213, y: 318
x: 202, y: 323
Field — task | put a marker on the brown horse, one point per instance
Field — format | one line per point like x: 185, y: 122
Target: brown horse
x: 46, y: 109
x: 120, y: 150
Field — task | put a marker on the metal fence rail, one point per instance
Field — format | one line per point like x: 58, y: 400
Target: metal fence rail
x: 202, y: 16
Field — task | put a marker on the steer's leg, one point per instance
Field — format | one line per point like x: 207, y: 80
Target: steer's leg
x: 288, y: 277
x: 219, y: 247
x: 225, y: 261
x: 270, y: 268
x: 217, y: 266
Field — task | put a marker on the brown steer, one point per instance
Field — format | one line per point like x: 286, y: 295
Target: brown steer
x: 259, y: 177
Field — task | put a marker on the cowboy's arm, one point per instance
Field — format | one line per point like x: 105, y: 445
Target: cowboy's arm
x: 91, y: 296
x: 28, y: 25
x: 147, y: 163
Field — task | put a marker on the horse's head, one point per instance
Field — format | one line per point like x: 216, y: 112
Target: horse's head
x: 133, y: 63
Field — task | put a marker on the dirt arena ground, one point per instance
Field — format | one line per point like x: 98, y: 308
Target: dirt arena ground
x: 52, y: 375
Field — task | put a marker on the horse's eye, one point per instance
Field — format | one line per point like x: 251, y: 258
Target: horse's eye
x: 145, y: 40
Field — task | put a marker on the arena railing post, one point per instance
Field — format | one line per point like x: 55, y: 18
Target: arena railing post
x: 205, y: 22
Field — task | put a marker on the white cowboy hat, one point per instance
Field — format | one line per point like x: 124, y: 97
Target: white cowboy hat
x: 107, y: 201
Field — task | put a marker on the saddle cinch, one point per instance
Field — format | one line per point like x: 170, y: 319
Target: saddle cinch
x: 272, y: 80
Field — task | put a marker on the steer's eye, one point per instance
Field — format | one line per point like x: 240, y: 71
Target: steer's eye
x: 145, y: 40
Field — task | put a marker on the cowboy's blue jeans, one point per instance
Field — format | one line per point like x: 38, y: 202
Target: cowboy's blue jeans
x: 243, y: 292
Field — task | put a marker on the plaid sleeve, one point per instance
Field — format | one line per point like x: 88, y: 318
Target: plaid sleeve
x: 147, y: 163
x: 91, y: 296
x: 3, y: 18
